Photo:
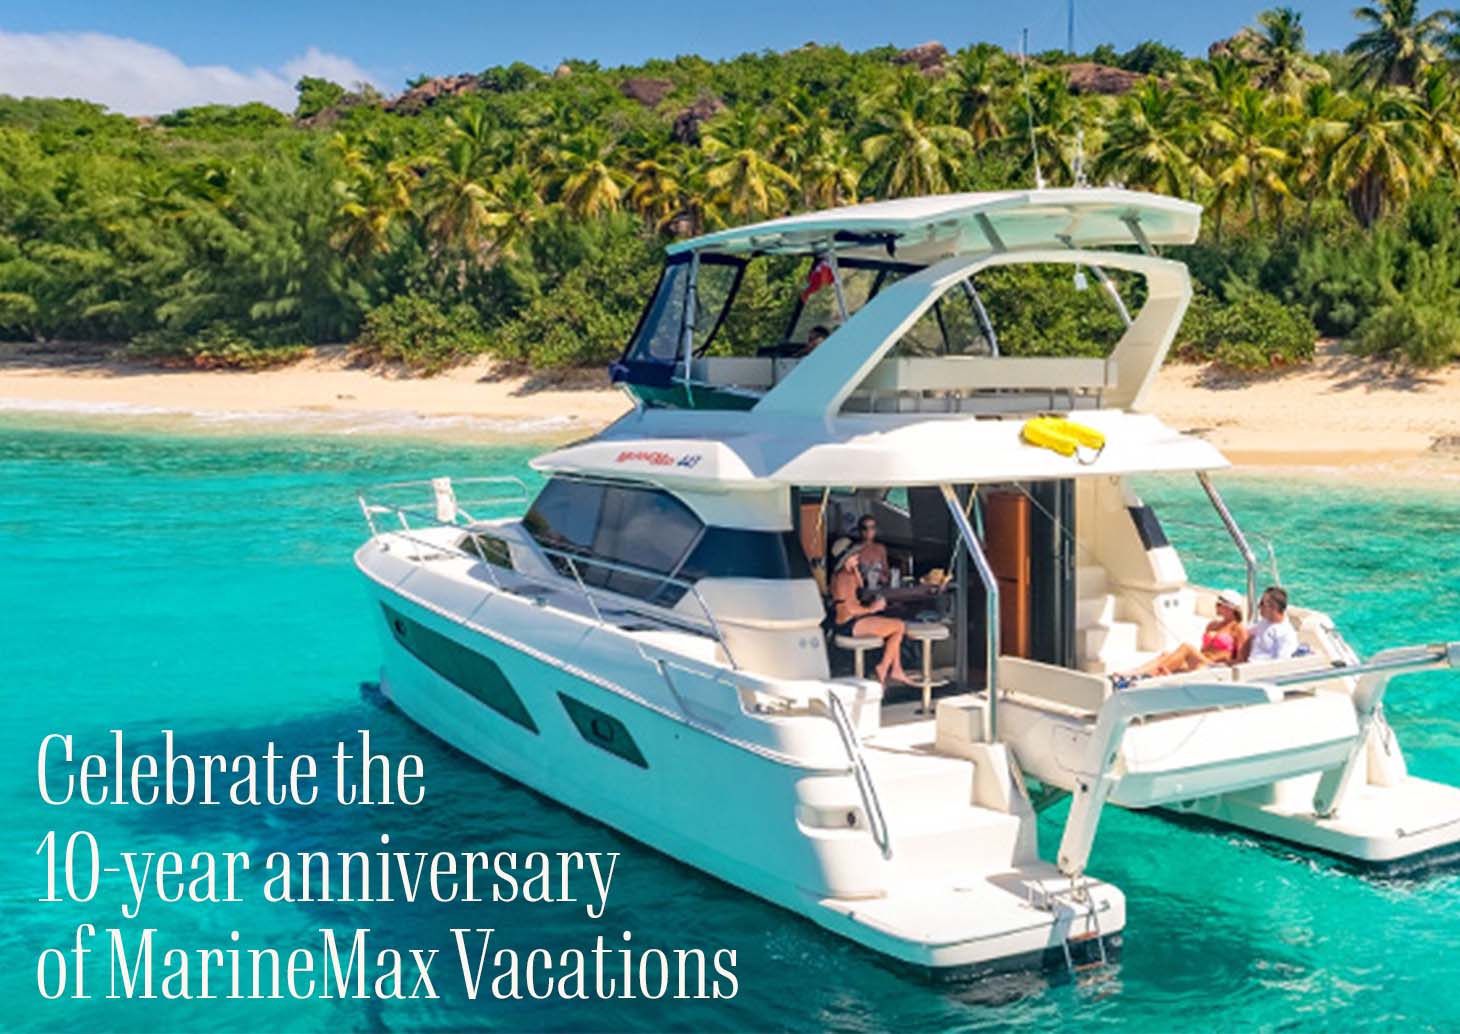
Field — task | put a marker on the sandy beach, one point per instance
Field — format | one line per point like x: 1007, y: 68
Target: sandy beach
x: 1340, y: 412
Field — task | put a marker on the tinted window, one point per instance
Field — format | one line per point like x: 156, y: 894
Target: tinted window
x: 659, y: 331
x: 737, y: 553
x: 641, y: 528
x: 651, y: 530
x: 565, y: 514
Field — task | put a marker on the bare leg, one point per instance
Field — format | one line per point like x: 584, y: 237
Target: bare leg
x: 1184, y: 658
x: 890, y: 630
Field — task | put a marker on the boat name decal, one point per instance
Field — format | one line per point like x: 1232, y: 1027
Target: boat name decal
x: 658, y: 459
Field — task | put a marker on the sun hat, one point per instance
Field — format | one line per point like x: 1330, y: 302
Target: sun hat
x: 839, y: 549
x: 1231, y: 599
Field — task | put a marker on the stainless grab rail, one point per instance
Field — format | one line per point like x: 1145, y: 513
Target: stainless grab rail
x: 1248, y: 558
x: 1252, y: 536
x: 876, y: 821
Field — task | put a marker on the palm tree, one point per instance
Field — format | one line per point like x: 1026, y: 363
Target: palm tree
x: 1281, y: 50
x: 1437, y: 105
x: 1250, y: 156
x: 1149, y: 142
x: 699, y: 205
x: 976, y: 88
x: 1378, y: 157
x: 1321, y: 122
x: 1057, y: 121
x: 515, y: 207
x: 653, y: 189
x: 458, y: 217
x: 910, y: 148
x: 374, y: 193
x: 829, y: 171
x: 588, y: 182
x: 737, y: 144
x: 1398, y: 42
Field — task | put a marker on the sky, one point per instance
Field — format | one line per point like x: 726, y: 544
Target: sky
x: 147, y: 58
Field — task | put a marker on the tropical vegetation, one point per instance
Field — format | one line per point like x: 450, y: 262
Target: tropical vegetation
x: 521, y: 213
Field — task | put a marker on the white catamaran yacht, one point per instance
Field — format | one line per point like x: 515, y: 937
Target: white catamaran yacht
x: 648, y: 643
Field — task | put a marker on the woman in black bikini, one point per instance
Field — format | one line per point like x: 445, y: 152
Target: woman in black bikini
x: 853, y: 617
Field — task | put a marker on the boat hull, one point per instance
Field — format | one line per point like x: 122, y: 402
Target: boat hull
x: 732, y: 812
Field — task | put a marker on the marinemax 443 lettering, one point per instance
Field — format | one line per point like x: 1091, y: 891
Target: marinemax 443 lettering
x: 649, y: 642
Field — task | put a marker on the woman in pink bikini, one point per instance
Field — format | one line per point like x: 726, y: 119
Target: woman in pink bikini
x: 1221, y: 642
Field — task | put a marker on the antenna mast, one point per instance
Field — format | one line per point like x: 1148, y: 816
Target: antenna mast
x: 1070, y: 28
x: 1029, y: 109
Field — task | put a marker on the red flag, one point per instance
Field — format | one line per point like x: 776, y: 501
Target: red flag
x: 820, y: 275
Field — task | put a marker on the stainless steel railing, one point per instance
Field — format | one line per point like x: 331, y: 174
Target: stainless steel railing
x: 876, y: 821
x: 1249, y: 560
x: 414, y: 517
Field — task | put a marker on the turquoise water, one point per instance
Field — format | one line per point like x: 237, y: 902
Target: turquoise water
x: 205, y: 585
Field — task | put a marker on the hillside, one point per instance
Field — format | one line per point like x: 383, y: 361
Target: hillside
x: 519, y: 213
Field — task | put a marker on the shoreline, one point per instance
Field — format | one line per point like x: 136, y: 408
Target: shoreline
x: 1340, y: 415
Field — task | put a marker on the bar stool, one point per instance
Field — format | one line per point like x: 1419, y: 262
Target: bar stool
x: 859, y: 645
x: 927, y: 633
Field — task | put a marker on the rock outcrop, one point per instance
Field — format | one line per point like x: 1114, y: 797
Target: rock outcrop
x: 647, y: 91
x: 421, y: 96
x: 929, y: 58
x: 687, y: 123
x: 1088, y: 77
x: 1245, y: 46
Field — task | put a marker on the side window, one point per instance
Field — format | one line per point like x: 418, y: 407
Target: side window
x: 645, y: 528
x: 657, y: 339
x: 565, y: 514
x: 642, y: 528
x: 950, y: 327
x: 713, y: 292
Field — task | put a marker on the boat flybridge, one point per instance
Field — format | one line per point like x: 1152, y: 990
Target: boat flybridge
x: 649, y: 642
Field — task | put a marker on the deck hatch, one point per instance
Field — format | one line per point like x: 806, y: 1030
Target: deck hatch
x: 468, y: 671
x: 603, y: 730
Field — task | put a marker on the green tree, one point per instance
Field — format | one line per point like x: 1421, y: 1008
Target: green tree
x: 1397, y: 42
x: 315, y: 95
x: 1377, y: 159
x: 909, y: 145
x: 752, y: 185
x: 1149, y: 142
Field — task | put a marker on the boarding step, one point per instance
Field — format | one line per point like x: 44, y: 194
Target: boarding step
x: 1094, y: 610
x: 937, y: 831
x: 1090, y: 580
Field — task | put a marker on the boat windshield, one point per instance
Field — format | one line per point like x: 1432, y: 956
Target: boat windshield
x: 767, y: 304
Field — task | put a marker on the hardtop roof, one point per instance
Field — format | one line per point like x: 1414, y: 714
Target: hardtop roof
x: 952, y: 223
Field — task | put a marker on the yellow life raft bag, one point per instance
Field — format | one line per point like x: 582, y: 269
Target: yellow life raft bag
x: 1064, y: 437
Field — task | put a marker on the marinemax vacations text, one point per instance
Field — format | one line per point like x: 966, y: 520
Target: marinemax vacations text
x: 124, y: 949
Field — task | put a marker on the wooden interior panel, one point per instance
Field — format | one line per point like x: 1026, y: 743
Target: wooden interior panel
x: 1006, y: 533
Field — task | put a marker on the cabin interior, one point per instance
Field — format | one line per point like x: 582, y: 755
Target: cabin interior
x: 1088, y: 585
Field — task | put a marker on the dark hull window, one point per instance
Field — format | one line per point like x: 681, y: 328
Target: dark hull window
x: 738, y: 553
x: 603, y: 730
x: 468, y: 671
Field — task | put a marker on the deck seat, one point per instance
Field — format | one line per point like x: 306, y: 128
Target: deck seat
x: 859, y: 645
x: 1079, y: 690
